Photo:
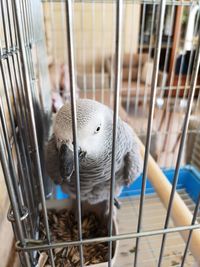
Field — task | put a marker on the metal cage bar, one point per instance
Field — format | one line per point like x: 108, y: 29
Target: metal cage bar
x: 190, y: 233
x: 150, y: 118
x: 140, y: 59
x: 191, y: 56
x: 83, y: 52
x: 130, y: 69
x: 41, y: 245
x: 149, y: 52
x: 103, y: 53
x: 53, y: 23
x: 30, y: 106
x: 69, y: 22
x: 93, y: 51
x: 112, y: 59
x: 118, y: 48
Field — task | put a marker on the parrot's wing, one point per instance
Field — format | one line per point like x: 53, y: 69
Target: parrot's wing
x: 132, y: 167
x: 52, y: 160
x: 132, y: 159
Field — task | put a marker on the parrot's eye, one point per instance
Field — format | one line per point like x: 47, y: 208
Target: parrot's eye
x: 97, y: 129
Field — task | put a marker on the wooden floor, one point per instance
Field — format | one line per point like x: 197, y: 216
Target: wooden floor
x: 149, y: 248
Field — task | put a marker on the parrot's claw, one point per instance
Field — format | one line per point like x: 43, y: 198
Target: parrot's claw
x: 117, y: 203
x: 62, y: 180
x: 127, y: 181
x: 58, y: 181
x: 66, y: 178
x: 82, y: 154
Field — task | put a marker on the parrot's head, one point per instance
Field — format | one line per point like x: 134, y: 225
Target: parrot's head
x: 94, y: 121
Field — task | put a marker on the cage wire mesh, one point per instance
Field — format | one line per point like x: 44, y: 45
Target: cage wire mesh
x: 141, y: 58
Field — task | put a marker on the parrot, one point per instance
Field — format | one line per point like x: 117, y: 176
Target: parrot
x: 94, y: 145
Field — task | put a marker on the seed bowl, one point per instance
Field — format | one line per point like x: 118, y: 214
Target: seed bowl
x: 63, y: 227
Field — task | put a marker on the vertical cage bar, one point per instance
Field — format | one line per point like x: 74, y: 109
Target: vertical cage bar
x: 4, y: 26
x: 118, y: 48
x: 140, y: 60
x: 26, y: 21
x: 191, y: 231
x: 112, y: 57
x: 63, y: 20
x: 181, y: 69
x: 53, y: 39
x: 198, y: 101
x: 130, y: 66
x: 83, y: 48
x: 103, y: 52
x: 24, y: 25
x: 29, y: 14
x: 93, y: 51
x: 176, y: 41
x: 31, y: 40
x: 9, y: 21
x: 31, y: 110
x: 28, y: 44
x: 182, y: 142
x: 11, y: 18
x: 167, y: 54
x: 149, y: 53
x: 191, y: 57
x: 150, y: 117
x: 70, y: 42
x: 65, y: 87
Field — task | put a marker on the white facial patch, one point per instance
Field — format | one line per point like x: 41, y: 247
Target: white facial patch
x: 91, y: 137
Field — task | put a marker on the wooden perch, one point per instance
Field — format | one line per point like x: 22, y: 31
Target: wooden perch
x: 180, y: 213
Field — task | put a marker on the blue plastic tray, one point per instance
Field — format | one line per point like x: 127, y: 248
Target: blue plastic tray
x: 189, y: 179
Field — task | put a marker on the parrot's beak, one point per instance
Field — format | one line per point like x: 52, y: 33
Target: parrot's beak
x: 66, y: 159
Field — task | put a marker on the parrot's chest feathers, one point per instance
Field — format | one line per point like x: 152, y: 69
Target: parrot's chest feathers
x: 98, y: 170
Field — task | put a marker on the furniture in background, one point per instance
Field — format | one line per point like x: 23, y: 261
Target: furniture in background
x: 137, y: 73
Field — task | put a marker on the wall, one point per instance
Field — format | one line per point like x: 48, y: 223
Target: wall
x: 94, y: 31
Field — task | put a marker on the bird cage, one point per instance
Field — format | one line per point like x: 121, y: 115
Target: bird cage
x: 140, y: 58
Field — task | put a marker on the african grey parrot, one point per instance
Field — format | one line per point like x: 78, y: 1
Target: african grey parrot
x: 94, y: 137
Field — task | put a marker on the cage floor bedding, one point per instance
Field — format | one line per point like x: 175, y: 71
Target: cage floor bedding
x: 64, y: 227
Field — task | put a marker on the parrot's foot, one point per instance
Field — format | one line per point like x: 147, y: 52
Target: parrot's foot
x: 127, y: 181
x: 117, y: 203
x: 82, y: 154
